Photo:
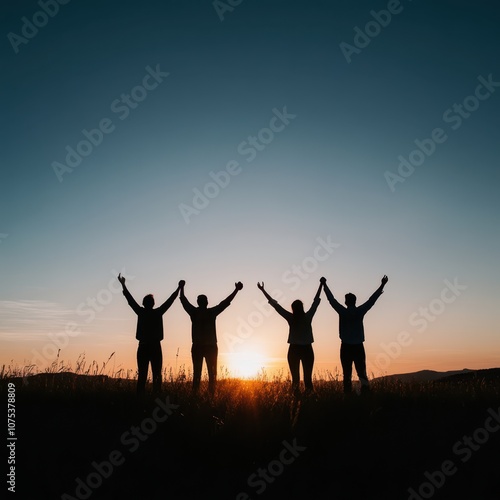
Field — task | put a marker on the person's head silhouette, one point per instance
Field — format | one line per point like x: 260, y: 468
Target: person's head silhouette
x: 148, y: 301
x: 350, y: 300
x: 202, y: 301
x: 297, y: 307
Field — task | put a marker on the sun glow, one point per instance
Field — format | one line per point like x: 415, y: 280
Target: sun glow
x: 246, y: 364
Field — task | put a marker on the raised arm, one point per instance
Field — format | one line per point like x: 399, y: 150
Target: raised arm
x: 274, y: 303
x: 131, y: 301
x: 384, y: 281
x: 318, y: 293
x: 380, y: 290
x: 316, y: 301
x: 237, y: 287
x: 260, y: 286
x: 329, y: 295
x: 188, y: 307
x: 376, y: 294
x: 227, y: 301
x: 164, y: 307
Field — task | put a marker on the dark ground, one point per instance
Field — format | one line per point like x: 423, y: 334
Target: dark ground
x: 364, y: 447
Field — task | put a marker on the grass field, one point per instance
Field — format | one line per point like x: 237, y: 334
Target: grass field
x: 85, y: 435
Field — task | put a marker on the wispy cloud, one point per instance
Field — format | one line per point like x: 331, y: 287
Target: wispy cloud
x: 29, y: 319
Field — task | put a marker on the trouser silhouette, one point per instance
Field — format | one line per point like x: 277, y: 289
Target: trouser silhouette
x: 296, y: 354
x: 149, y: 352
x: 349, y: 354
x: 209, y: 352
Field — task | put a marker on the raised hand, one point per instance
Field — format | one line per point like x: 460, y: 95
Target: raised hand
x: 322, y: 280
x: 260, y: 286
x: 121, y: 279
x: 181, y: 283
x: 238, y: 285
x: 385, y: 279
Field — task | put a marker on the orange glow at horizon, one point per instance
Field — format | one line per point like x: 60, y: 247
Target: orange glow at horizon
x: 245, y: 364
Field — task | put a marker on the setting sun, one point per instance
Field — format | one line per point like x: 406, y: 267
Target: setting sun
x: 246, y: 364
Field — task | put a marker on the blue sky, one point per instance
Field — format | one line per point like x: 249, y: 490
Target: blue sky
x: 323, y: 175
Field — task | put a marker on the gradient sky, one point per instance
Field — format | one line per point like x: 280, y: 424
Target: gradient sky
x: 322, y: 176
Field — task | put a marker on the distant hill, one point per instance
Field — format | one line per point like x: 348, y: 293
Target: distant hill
x: 491, y: 374
x: 452, y: 376
x: 69, y: 379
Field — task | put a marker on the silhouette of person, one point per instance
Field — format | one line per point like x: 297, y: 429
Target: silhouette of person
x: 204, y: 335
x: 352, y: 334
x: 300, y: 337
x: 149, y: 333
